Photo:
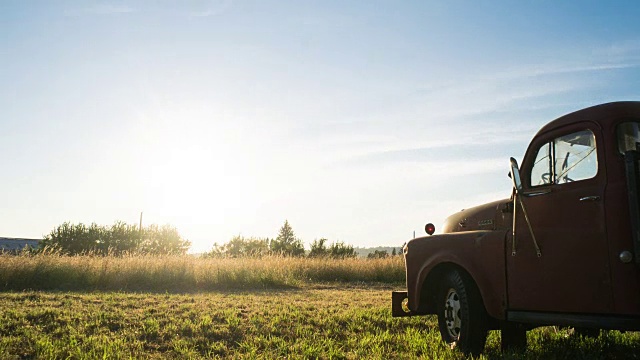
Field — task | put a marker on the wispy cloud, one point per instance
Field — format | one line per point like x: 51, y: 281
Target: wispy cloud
x: 501, y: 110
x: 199, y: 9
x: 508, y: 89
x: 540, y: 70
x: 100, y: 9
x: 466, y: 114
x: 212, y: 8
x: 620, y: 51
x: 467, y: 148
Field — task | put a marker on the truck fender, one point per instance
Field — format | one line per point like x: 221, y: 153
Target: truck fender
x: 479, y: 254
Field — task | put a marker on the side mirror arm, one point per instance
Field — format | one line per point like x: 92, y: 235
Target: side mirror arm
x: 517, y: 198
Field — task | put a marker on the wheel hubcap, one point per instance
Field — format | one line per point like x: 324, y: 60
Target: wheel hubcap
x: 452, y: 313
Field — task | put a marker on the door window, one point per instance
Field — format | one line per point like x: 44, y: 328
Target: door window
x: 568, y: 158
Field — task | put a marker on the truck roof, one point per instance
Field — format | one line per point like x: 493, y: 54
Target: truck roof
x: 601, y: 114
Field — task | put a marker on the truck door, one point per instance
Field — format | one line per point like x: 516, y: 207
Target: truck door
x: 564, y: 180
x: 622, y: 173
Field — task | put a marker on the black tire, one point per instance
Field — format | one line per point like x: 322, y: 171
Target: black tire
x: 513, y: 336
x: 462, y: 319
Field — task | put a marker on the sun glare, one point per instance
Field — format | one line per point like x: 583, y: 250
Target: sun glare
x: 194, y: 173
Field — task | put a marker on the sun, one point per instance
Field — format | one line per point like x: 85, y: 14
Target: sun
x: 197, y: 170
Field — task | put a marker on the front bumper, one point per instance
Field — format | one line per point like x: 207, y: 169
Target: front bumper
x: 399, y: 305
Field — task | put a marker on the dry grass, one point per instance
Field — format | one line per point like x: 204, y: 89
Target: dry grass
x: 186, y: 273
x: 294, y: 318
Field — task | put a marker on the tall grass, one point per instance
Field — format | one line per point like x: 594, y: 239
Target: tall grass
x: 51, y: 271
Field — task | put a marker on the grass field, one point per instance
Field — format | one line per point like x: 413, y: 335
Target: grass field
x: 187, y: 273
x: 352, y: 322
x: 301, y: 317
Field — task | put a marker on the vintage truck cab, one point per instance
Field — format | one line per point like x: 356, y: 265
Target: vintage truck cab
x: 563, y: 250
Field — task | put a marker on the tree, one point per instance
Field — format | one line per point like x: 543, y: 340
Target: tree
x: 165, y: 240
x: 286, y: 243
x: 340, y: 250
x: 378, y: 254
x: 73, y: 239
x: 240, y: 246
x: 393, y: 252
x: 120, y: 238
x: 318, y: 248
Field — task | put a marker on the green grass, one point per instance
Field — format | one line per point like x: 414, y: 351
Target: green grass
x: 138, y: 307
x: 327, y: 322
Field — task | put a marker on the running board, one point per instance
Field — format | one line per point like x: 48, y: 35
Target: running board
x: 630, y: 323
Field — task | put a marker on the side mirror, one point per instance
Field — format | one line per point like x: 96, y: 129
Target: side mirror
x: 517, y: 184
x: 514, y: 174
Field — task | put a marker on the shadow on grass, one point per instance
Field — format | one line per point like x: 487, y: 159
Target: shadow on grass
x: 609, y: 345
x: 188, y: 288
x: 173, y: 291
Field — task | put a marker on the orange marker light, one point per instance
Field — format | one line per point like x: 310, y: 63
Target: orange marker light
x: 430, y: 228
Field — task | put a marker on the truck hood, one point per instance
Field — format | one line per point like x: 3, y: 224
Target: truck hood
x: 482, y: 217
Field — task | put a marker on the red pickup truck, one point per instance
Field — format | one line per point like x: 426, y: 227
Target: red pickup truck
x: 563, y: 250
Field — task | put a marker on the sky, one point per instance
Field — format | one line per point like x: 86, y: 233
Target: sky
x: 356, y: 121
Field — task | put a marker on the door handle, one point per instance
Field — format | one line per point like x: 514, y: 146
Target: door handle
x: 590, y: 198
x: 532, y: 193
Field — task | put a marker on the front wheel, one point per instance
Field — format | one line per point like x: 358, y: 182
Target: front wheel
x: 462, y: 319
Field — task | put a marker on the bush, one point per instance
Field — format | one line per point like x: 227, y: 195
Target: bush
x: 75, y: 238
x: 163, y: 240
x: 378, y: 254
x: 120, y: 238
x: 340, y: 250
x: 318, y: 248
x: 239, y: 246
x: 337, y: 250
x: 286, y: 245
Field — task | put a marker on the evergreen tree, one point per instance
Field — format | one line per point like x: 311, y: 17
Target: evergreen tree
x: 286, y: 243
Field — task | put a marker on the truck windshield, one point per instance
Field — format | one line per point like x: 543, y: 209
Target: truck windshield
x: 628, y: 136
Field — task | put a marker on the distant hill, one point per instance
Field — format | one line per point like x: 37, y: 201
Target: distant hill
x: 361, y: 251
x: 364, y: 251
x: 15, y: 245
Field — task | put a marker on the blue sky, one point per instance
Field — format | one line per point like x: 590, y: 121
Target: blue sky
x: 357, y: 121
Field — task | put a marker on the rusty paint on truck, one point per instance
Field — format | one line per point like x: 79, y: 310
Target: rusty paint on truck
x: 567, y: 265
